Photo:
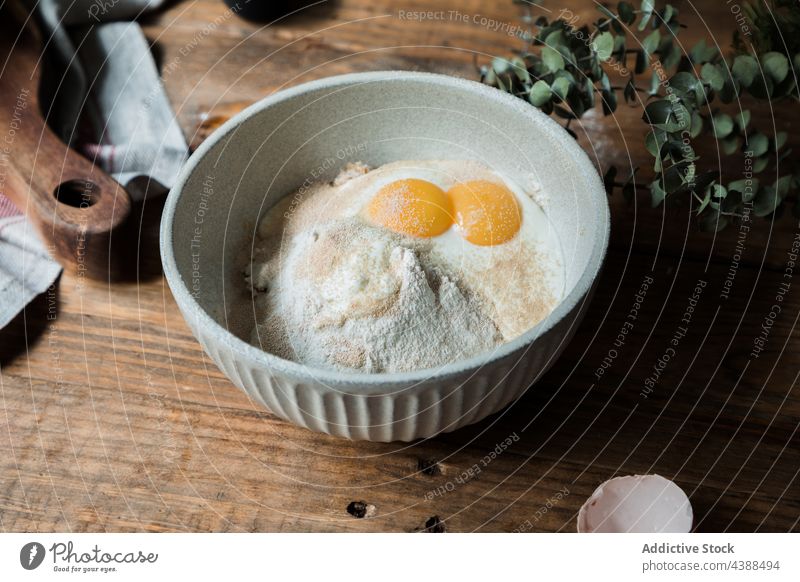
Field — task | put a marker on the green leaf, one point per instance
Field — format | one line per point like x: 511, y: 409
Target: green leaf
x: 729, y: 91
x: 654, y: 140
x: 657, y: 193
x: 609, y: 101
x: 742, y: 119
x: 619, y: 47
x: 780, y: 140
x: 667, y: 115
x: 626, y: 13
x: 655, y: 83
x: 714, y: 195
x: 651, y: 42
x: 745, y: 69
x: 713, y: 221
x: 697, y: 124
x: 766, y: 201
x: 701, y: 53
x: 588, y: 93
x: 713, y: 75
x: 722, y: 126
x: 520, y: 70
x: 730, y: 145
x: 552, y: 59
x: 684, y: 82
x: 540, y: 93
x: 641, y: 62
x: 657, y: 112
x: 746, y: 187
x: 555, y: 39
x: 630, y: 92
x: 758, y: 144
x: 776, y: 65
x: 561, y: 87
x: 603, y: 45
x: 646, y: 8
x: 782, y: 185
x: 670, y: 54
x: 500, y: 65
x: 668, y: 13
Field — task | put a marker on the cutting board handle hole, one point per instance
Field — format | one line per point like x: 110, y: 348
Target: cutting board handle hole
x: 78, y: 193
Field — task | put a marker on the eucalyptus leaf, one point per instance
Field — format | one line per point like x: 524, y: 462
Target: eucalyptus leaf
x: 668, y: 115
x: 697, y: 124
x: 626, y: 13
x: 730, y: 145
x: 540, y: 93
x: 745, y: 69
x: 742, y: 119
x: 651, y: 42
x: 729, y: 90
x: 552, y: 59
x: 705, y: 200
x: 668, y: 12
x: 722, y: 125
x: 500, y: 66
x: 603, y: 45
x: 780, y: 140
x: 641, y: 62
x: 746, y: 187
x: 776, y: 65
x: 646, y: 8
x: 760, y: 164
x: 520, y: 70
x: 782, y: 184
x: 657, y: 193
x: 561, y: 87
x: 758, y: 144
x: 766, y: 201
x: 630, y: 92
x: 713, y: 75
x: 655, y: 83
x: 654, y: 141
x: 609, y: 102
x: 702, y: 53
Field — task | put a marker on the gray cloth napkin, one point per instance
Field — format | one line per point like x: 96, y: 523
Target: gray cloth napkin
x: 105, y: 72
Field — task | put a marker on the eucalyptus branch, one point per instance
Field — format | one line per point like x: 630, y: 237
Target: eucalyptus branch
x: 564, y: 68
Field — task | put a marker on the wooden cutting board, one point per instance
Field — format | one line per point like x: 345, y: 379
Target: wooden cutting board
x: 76, y: 207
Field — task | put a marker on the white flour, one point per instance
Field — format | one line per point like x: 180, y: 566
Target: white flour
x: 333, y: 291
x: 400, y: 317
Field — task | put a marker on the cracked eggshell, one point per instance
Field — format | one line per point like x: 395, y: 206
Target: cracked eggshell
x: 636, y: 504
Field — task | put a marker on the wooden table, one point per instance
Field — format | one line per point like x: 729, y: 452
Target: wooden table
x: 113, y: 419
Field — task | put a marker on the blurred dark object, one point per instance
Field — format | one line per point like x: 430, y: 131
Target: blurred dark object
x: 266, y: 10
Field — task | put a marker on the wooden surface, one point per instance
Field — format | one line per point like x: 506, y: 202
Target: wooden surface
x: 113, y: 419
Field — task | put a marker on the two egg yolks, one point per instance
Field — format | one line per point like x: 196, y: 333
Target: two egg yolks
x: 485, y: 213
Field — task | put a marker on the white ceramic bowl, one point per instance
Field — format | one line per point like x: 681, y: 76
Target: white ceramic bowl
x: 310, y: 131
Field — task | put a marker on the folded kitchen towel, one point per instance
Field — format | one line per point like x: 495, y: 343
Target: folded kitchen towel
x: 132, y: 131
x: 113, y: 81
x: 26, y: 270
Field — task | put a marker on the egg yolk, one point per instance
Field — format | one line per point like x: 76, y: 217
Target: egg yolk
x: 412, y: 207
x: 485, y: 213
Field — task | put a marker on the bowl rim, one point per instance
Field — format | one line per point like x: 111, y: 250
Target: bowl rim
x: 379, y: 381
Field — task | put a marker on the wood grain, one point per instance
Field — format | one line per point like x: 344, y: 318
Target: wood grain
x: 114, y: 419
x: 75, y: 206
